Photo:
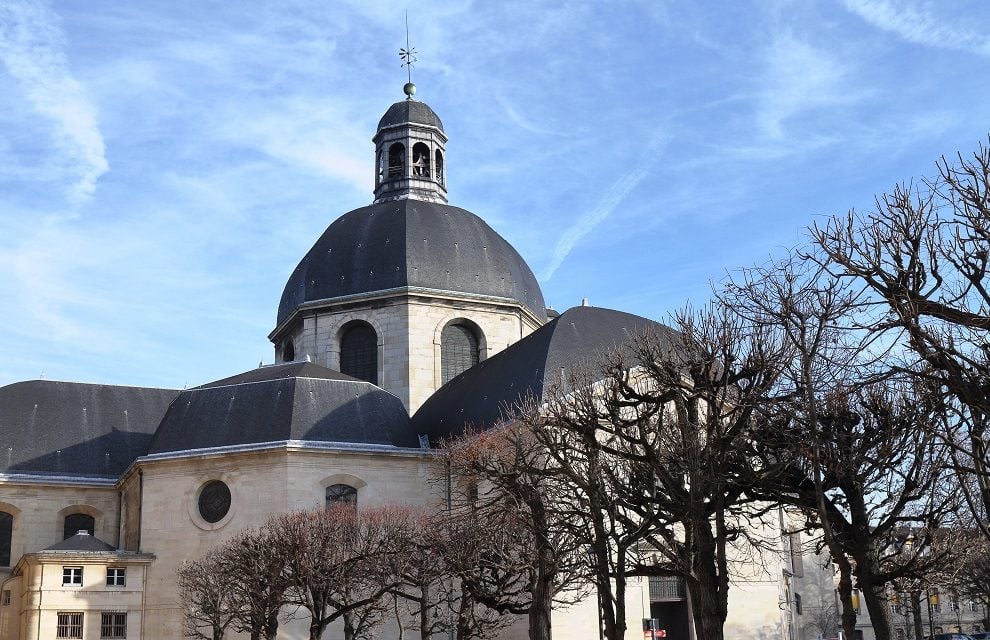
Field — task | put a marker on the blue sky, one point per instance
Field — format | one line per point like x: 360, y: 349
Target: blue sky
x: 164, y: 165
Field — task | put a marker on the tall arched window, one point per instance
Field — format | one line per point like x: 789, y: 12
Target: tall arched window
x: 421, y: 160
x: 288, y: 351
x: 380, y: 170
x: 76, y: 522
x: 341, y: 494
x: 439, y: 167
x: 458, y: 351
x: 6, y: 534
x: 396, y: 160
x: 359, y: 352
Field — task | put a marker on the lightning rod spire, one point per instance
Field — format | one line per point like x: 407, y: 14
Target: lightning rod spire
x: 408, y: 56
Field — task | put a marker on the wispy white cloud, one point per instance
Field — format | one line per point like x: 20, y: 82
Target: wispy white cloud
x: 799, y: 78
x: 611, y: 199
x: 922, y: 23
x: 32, y: 48
x: 522, y: 121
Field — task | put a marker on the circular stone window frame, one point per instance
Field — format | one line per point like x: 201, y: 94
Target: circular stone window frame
x: 193, y: 505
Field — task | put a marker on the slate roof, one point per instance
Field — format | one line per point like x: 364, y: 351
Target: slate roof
x: 479, y: 396
x: 406, y: 111
x: 411, y: 243
x: 294, y: 401
x: 82, y: 542
x: 75, y: 429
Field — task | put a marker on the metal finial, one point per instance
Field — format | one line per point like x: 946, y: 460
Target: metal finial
x: 408, y: 56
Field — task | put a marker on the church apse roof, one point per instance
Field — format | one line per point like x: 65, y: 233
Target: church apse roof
x: 481, y: 396
x: 76, y: 429
x: 294, y: 401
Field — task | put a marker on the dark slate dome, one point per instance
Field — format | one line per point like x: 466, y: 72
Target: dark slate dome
x: 410, y: 111
x: 293, y: 401
x: 411, y: 243
x: 481, y: 395
x: 76, y: 429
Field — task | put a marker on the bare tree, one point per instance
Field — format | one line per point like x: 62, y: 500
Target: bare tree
x: 528, y: 562
x: 451, y: 558
x: 253, y: 562
x: 922, y: 256
x: 205, y: 591
x: 680, y: 411
x: 852, y: 438
x: 340, y: 563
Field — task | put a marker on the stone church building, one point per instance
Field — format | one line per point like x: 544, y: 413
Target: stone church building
x: 407, y: 318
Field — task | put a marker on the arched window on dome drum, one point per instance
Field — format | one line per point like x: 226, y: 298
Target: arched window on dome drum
x: 396, y: 160
x: 288, y: 351
x: 6, y: 534
x: 341, y: 494
x: 380, y: 168
x: 458, y: 351
x: 359, y: 352
x: 421, y: 160
x: 439, y: 167
x: 76, y: 522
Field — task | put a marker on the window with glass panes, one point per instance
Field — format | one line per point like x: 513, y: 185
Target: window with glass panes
x: 359, y: 352
x: 113, y: 624
x: 116, y: 577
x: 72, y: 576
x: 70, y: 625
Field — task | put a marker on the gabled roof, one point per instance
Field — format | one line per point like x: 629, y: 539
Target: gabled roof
x: 481, y: 395
x: 294, y: 401
x: 76, y: 429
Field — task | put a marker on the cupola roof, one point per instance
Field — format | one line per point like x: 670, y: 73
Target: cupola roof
x: 409, y: 112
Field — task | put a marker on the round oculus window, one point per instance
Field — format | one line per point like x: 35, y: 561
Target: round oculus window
x: 214, y: 501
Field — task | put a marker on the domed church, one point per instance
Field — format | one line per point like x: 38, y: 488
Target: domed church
x: 406, y: 319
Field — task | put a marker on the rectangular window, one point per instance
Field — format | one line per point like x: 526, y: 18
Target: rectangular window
x: 797, y: 604
x: 116, y: 577
x: 72, y: 577
x: 113, y: 624
x: 69, y: 625
x: 5, y: 598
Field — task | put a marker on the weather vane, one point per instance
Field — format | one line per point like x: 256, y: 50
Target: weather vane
x: 408, y: 56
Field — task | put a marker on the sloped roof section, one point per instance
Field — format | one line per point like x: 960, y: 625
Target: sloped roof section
x: 411, y: 243
x: 481, y: 395
x: 82, y: 541
x: 76, y: 429
x: 295, y: 401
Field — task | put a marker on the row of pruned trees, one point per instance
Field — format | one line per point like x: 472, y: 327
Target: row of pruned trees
x: 426, y: 571
x: 848, y: 382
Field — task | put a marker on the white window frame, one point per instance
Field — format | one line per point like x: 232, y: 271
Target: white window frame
x: 72, y: 576
x: 116, y: 576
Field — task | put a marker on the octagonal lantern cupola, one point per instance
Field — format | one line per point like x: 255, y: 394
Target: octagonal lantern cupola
x: 410, y: 157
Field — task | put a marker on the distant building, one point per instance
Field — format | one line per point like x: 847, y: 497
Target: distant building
x: 407, y: 319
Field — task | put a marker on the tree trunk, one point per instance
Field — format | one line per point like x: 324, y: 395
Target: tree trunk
x: 919, y: 630
x: 708, y: 603
x: 539, y: 611
x: 876, y: 605
x: 845, y: 601
x: 348, y: 627
x: 424, y: 613
x: 464, y: 615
